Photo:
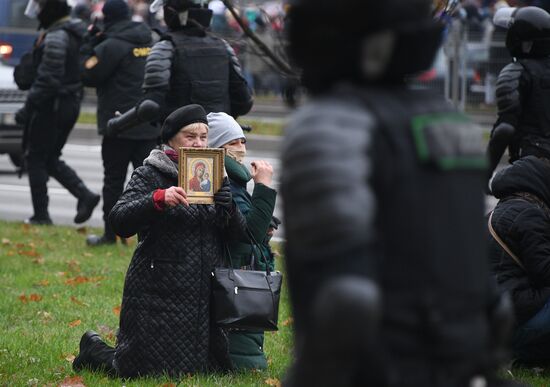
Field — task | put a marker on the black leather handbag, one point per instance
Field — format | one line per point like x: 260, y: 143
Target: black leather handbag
x: 246, y: 299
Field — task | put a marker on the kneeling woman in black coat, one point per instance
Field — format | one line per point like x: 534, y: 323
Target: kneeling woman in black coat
x: 521, y: 220
x: 165, y: 325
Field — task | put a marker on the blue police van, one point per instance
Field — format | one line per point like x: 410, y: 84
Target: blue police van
x: 17, y: 32
x: 17, y: 35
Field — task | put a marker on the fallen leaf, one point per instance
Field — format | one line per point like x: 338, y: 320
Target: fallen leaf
x: 87, y: 255
x: 6, y: 242
x: 78, y: 302
x: 32, y: 382
x: 82, y: 280
x: 60, y: 273
x: 38, y: 261
x: 75, y: 323
x: 23, y: 298
x: 289, y: 321
x: 70, y: 358
x: 82, y: 230
x: 35, y: 297
x: 273, y: 382
x: 116, y: 310
x: 29, y: 253
x: 168, y: 385
x: 26, y: 227
x: 77, y: 280
x: 45, y: 316
x: 74, y: 265
x: 44, y: 282
x: 10, y: 253
x: 75, y: 381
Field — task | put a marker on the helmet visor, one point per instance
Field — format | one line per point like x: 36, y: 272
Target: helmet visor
x: 156, y: 5
x: 33, y: 9
x: 504, y: 17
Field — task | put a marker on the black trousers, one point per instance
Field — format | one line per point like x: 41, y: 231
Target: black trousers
x: 117, y: 154
x: 47, y: 132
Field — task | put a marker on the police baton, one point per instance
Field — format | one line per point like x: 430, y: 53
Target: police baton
x: 148, y: 110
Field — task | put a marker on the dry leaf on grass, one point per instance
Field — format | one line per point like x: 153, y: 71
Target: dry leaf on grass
x: 273, y: 382
x: 82, y: 280
x: 6, y: 242
x: 289, y: 321
x: 38, y: 261
x: 35, y: 297
x: 70, y: 357
x: 44, y: 282
x: 82, y: 230
x: 45, y: 316
x: 75, y: 381
x: 168, y: 385
x: 116, y: 310
x: 75, y: 323
x: 31, y: 298
x: 78, y: 302
x: 88, y: 255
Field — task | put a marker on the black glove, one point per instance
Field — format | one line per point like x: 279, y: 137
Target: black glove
x: 223, y: 197
x: 22, y: 116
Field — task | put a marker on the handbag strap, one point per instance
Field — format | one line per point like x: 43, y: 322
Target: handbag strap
x: 502, y: 244
x: 259, y: 248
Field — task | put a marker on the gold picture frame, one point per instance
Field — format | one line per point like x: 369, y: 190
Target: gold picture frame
x: 201, y: 172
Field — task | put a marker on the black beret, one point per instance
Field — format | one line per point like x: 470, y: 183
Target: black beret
x: 180, y: 118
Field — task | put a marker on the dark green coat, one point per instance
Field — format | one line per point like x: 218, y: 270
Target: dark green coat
x: 246, y: 348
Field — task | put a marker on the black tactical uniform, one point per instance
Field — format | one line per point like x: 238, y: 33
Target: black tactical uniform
x: 384, y: 207
x: 113, y: 62
x: 190, y: 66
x: 52, y: 108
x: 522, y: 92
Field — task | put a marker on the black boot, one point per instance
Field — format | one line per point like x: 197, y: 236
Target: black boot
x: 96, y: 240
x: 108, y: 237
x: 94, y: 354
x: 43, y: 220
x: 87, y: 201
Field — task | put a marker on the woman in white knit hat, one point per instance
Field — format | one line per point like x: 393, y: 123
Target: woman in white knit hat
x: 246, y: 348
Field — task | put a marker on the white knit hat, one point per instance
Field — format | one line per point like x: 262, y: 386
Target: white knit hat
x: 222, y: 129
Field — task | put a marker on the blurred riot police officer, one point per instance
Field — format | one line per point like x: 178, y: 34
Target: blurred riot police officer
x: 51, y: 73
x: 523, y: 87
x: 384, y: 207
x: 113, y: 61
x: 188, y: 65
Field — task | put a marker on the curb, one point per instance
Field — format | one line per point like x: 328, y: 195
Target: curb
x: 255, y: 142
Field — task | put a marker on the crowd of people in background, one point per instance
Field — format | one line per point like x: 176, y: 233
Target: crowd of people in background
x: 265, y: 20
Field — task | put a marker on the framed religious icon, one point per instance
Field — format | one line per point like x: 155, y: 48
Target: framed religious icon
x: 201, y: 172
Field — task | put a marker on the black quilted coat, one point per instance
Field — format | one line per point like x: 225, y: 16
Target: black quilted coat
x: 523, y: 224
x: 165, y: 325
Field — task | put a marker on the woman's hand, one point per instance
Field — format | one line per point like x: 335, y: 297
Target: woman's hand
x: 174, y: 196
x: 262, y: 172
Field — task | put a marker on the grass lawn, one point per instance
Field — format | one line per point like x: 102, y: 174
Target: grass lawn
x: 53, y: 288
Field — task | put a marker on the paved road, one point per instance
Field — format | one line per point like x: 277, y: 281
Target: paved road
x: 84, y: 155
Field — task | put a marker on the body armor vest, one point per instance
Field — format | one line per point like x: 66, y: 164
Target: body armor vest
x: 200, y: 73
x: 428, y: 177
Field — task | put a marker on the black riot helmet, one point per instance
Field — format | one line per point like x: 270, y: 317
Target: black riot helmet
x: 362, y: 41
x: 528, y: 33
x: 47, y: 11
x: 180, y: 13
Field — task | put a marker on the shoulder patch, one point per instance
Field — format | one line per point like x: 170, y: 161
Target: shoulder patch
x: 141, y: 51
x: 449, y: 140
x: 91, y: 62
